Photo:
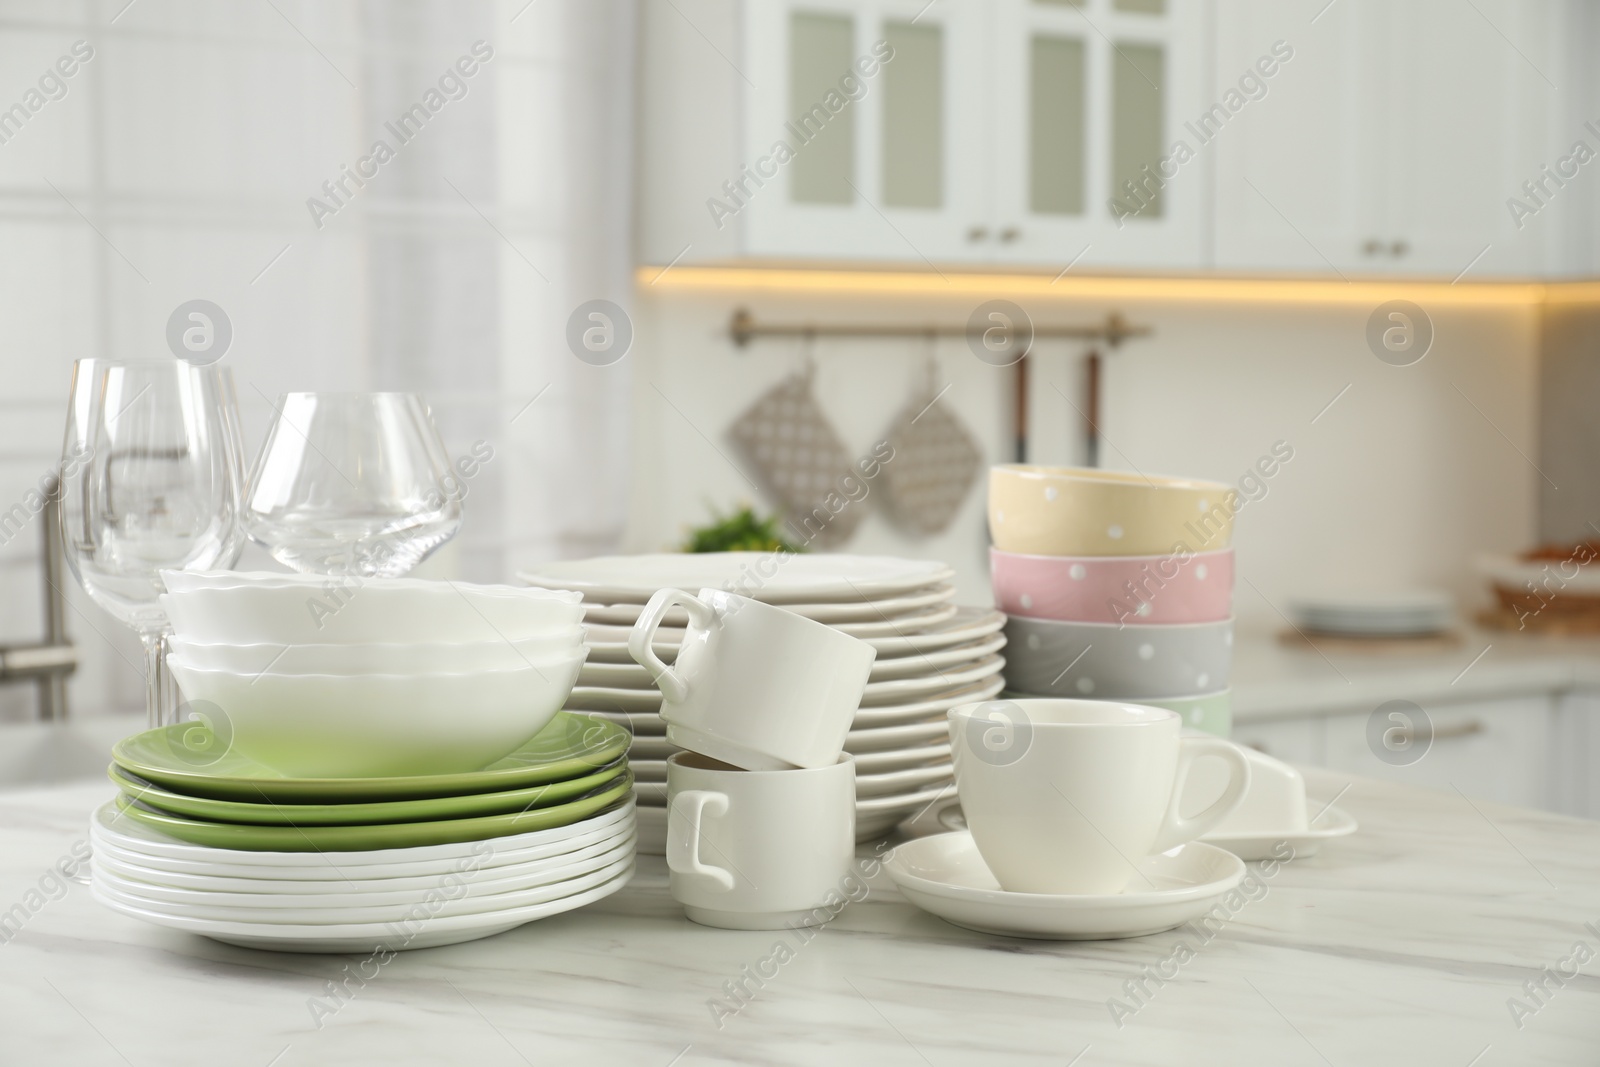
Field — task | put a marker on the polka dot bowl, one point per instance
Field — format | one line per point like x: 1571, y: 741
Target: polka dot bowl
x: 1073, y: 511
x: 1211, y: 713
x: 1136, y: 590
x: 1103, y: 661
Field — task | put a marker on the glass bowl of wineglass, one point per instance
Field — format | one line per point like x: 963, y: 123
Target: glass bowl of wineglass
x: 150, y: 482
x: 352, y: 484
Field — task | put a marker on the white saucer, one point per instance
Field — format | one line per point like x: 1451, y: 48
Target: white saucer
x: 946, y: 876
x: 1333, y: 822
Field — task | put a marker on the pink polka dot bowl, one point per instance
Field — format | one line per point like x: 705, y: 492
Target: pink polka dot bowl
x: 1126, y: 590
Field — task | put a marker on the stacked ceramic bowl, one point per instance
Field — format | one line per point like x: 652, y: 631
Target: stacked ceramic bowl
x: 1117, y: 587
x: 395, y: 676
x: 931, y: 656
x: 371, y: 763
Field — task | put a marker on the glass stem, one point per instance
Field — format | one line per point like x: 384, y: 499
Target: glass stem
x: 161, y: 691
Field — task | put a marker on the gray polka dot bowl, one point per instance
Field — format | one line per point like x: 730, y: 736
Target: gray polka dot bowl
x: 1103, y: 661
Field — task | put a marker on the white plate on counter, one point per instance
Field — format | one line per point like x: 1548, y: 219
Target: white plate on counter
x: 900, y: 759
x: 967, y: 624
x: 1331, y: 823
x: 868, y: 611
x: 917, y: 711
x: 367, y: 937
x: 945, y: 875
x: 797, y: 579
x: 900, y: 690
x: 917, y: 664
x: 902, y: 783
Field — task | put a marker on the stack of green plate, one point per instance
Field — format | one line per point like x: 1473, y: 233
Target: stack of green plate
x: 204, y: 839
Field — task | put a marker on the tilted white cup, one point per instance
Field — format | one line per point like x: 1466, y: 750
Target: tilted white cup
x: 754, y: 685
x: 1068, y: 796
x: 759, y: 850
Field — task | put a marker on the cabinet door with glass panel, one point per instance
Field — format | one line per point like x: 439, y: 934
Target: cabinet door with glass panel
x: 1091, y: 162
x: 862, y: 127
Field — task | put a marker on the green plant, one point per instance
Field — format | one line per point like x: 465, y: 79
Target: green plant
x: 743, y: 531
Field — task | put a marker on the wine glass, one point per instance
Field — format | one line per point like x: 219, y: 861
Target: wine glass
x: 150, y: 481
x: 354, y: 484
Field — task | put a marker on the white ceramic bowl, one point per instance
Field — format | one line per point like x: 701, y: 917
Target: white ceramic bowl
x: 413, y: 658
x: 328, y: 726
x: 368, y: 611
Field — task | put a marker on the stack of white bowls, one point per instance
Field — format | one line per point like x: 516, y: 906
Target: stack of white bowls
x: 932, y: 655
x: 323, y: 677
x: 1117, y: 587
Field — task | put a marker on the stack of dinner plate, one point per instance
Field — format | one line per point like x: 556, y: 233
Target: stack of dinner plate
x: 932, y: 655
x: 204, y: 839
x: 1117, y: 587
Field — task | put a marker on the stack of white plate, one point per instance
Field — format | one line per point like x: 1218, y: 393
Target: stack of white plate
x: 1399, y: 614
x: 366, y: 901
x: 932, y: 655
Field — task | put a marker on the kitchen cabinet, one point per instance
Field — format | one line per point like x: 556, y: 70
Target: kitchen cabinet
x: 1013, y: 131
x: 1393, y: 139
x: 1501, y: 751
x: 1358, y: 138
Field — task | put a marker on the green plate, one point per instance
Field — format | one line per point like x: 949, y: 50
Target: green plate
x: 183, y: 758
x: 366, y: 838
x: 362, y: 814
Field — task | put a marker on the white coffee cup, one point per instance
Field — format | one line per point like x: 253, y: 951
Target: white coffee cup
x: 759, y: 850
x: 754, y: 685
x: 1068, y: 796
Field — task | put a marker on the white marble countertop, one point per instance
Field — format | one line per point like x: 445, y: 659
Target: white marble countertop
x: 1400, y: 945
x: 1272, y: 679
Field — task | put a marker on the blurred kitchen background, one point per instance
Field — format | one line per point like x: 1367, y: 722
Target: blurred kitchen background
x: 1335, y: 157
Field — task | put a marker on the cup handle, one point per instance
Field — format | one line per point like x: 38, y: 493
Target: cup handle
x: 683, y: 846
x: 1175, y: 829
x: 641, y: 638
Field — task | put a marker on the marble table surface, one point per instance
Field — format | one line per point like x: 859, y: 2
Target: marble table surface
x: 1408, y: 943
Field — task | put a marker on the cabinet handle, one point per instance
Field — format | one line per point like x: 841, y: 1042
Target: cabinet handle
x: 1010, y: 233
x: 1372, y: 247
x: 1460, y: 729
x: 1399, y: 248
x: 978, y: 233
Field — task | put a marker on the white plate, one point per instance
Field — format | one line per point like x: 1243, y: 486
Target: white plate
x: 899, y: 626
x: 482, y: 879
x: 917, y: 664
x: 945, y: 875
x: 456, y: 897
x: 967, y: 624
x: 922, y: 710
x: 882, y: 738
x: 765, y: 576
x: 595, y: 698
x: 845, y: 611
x: 609, y: 644
x: 145, y: 842
x: 901, y: 782
x: 900, y: 759
x: 369, y: 937
x: 899, y: 690
x: 904, y: 803
x: 1332, y: 822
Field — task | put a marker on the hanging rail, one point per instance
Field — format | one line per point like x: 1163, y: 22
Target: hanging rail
x: 744, y: 328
